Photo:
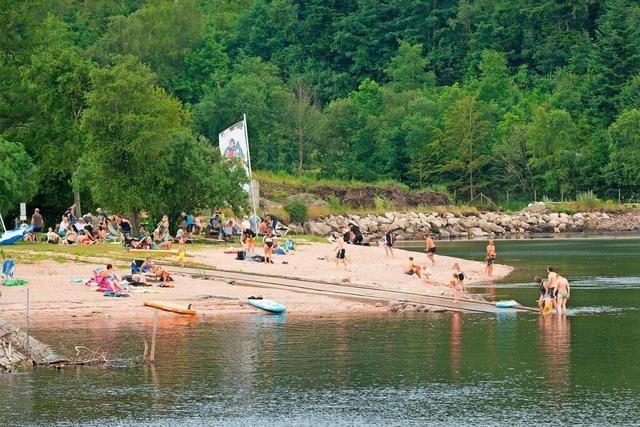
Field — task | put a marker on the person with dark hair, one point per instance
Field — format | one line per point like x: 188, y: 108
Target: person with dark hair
x: 430, y: 248
x: 389, y: 240
x: 37, y: 225
x: 543, y: 292
x: 412, y: 268
x: 357, y: 237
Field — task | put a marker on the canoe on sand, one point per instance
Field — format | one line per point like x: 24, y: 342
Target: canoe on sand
x: 167, y: 306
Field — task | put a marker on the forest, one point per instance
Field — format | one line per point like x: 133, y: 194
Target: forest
x: 121, y: 101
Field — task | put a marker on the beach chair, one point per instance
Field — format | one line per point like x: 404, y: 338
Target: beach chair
x: 114, y: 235
x: 281, y: 229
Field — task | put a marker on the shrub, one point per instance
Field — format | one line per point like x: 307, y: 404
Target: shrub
x: 588, y: 202
x: 382, y: 203
x: 297, y: 211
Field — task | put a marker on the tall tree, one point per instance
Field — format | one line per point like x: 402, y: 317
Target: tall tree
x: 18, y: 178
x: 467, y: 131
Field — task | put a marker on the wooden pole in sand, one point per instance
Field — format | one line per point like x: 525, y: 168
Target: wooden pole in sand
x: 27, y: 349
x: 153, y: 336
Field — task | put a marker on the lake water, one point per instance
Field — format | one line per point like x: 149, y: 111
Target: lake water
x: 398, y: 369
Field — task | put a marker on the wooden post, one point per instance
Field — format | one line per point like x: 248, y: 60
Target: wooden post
x: 618, y: 196
x: 26, y: 347
x: 153, y: 336
x: 535, y: 196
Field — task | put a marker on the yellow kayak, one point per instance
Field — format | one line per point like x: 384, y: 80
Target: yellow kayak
x: 167, y: 306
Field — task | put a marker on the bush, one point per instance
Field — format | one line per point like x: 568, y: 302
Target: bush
x: 297, y: 211
x: 587, y: 202
x: 382, y: 203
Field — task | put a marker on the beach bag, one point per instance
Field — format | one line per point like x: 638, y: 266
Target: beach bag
x: 241, y: 255
x: 257, y: 258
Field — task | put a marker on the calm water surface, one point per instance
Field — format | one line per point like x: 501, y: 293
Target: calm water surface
x: 392, y: 369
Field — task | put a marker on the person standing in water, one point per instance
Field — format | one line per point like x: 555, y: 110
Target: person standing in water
x: 552, y: 285
x: 563, y: 292
x: 491, y: 257
x: 431, y: 248
x: 543, y: 292
x: 389, y: 240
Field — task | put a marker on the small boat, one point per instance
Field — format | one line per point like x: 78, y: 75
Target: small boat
x: 167, y: 306
x: 267, y: 305
x: 507, y: 304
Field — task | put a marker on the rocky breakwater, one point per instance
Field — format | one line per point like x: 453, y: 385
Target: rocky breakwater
x: 445, y: 225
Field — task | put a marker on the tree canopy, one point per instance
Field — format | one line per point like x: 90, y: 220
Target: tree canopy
x: 500, y: 96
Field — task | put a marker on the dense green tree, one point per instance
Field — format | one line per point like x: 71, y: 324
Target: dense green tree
x: 467, y: 132
x: 18, y: 178
x: 160, y: 35
x: 141, y: 154
x: 407, y: 69
x: 553, y: 139
x: 624, y: 165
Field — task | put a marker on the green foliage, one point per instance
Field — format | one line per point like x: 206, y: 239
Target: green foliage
x: 141, y: 154
x: 381, y: 203
x: 297, y: 211
x: 505, y: 96
x: 18, y: 181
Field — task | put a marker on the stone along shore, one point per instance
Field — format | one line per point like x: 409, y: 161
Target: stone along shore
x: 412, y: 225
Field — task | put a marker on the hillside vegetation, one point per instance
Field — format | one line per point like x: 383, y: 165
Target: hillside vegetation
x: 121, y: 101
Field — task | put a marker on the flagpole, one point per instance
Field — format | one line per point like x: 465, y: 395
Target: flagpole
x: 251, y: 189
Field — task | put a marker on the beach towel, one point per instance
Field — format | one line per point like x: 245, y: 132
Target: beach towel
x: 15, y: 282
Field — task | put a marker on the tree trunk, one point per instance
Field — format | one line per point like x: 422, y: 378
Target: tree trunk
x: 135, y: 222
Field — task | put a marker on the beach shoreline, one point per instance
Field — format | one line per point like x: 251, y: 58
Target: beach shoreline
x: 55, y: 297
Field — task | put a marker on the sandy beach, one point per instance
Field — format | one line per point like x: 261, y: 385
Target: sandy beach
x: 54, y: 295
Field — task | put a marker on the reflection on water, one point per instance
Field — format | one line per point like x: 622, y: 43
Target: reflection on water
x: 554, y: 341
x: 395, y: 369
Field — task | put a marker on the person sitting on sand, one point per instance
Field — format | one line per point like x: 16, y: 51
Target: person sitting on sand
x: 412, y: 268
x: 70, y: 238
x: 151, y: 267
x: 356, y: 234
x: 52, y: 236
x: 562, y: 294
x: 456, y: 287
x: 86, y: 239
x: 106, y: 279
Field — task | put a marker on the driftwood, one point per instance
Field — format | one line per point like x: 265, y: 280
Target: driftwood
x: 16, y: 349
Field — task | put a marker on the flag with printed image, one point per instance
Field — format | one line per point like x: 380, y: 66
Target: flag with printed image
x: 233, y: 144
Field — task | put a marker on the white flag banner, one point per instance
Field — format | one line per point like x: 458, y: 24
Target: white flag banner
x: 233, y: 144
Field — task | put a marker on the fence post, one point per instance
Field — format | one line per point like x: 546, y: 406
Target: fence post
x: 618, y: 196
x: 535, y: 196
